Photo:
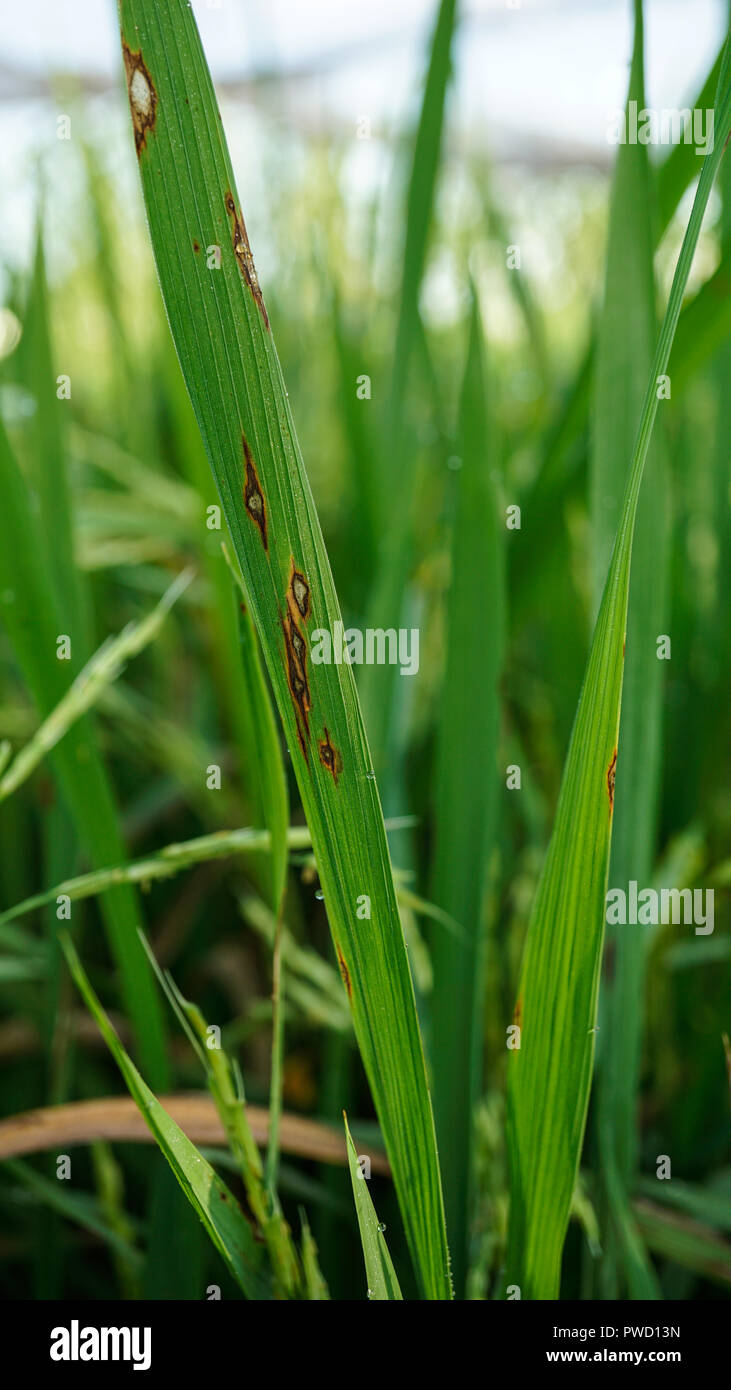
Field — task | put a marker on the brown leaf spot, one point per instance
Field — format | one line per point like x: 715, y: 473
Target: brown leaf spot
x: 344, y: 972
x: 518, y: 1013
x: 295, y: 649
x: 253, y: 495
x: 329, y: 756
x: 297, y: 609
x: 611, y: 770
x: 142, y: 96
x: 196, y: 247
x: 242, y: 252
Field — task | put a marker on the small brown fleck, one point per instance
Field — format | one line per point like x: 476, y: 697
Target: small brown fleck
x: 329, y: 756
x: 142, y: 96
x: 344, y: 972
x: 253, y: 495
x: 242, y: 251
x: 611, y: 771
x: 196, y: 247
x: 518, y: 1013
x: 300, y: 592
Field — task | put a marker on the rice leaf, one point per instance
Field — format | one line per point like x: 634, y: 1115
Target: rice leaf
x: 208, y: 1194
x: 33, y: 621
x: 383, y: 1284
x: 223, y: 337
x: 397, y: 486
x: 265, y: 754
x: 78, y: 1207
x: 466, y: 794
x: 624, y: 355
x: 103, y: 667
x: 549, y: 1074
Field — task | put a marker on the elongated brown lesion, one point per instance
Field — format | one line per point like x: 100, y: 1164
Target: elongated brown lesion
x: 344, y: 972
x: 295, y: 649
x: 142, y: 95
x: 611, y: 773
x: 329, y: 755
x: 242, y: 252
x: 296, y: 613
x: 253, y: 495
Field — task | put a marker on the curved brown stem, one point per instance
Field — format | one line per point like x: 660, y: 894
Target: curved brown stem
x: 117, y: 1118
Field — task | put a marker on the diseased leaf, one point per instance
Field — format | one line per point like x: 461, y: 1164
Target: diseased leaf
x: 224, y: 341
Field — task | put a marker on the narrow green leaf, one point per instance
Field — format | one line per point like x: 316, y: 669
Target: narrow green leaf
x: 679, y: 170
x: 685, y: 1242
x: 264, y: 755
x: 383, y: 1284
x: 47, y: 455
x: 208, y: 1194
x: 32, y: 618
x: 626, y: 336
x: 708, y: 310
x: 704, y: 1203
x: 397, y: 486
x: 78, y: 1207
x: 103, y: 667
x: 224, y: 342
x: 549, y: 1075
x: 466, y: 794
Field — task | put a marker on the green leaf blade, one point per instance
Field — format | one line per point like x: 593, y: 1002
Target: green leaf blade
x: 208, y: 1194
x: 231, y: 367
x: 383, y: 1285
x: 549, y: 1075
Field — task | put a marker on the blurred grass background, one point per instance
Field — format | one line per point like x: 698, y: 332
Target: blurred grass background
x: 80, y: 299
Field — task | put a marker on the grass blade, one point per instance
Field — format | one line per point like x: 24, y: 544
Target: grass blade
x: 378, y: 682
x: 208, y: 1194
x: 624, y: 355
x: 265, y: 755
x: 224, y: 342
x: 104, y: 666
x: 465, y: 798
x: 383, y: 1284
x: 550, y: 1073
x: 73, y: 1206
x: 34, y: 624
